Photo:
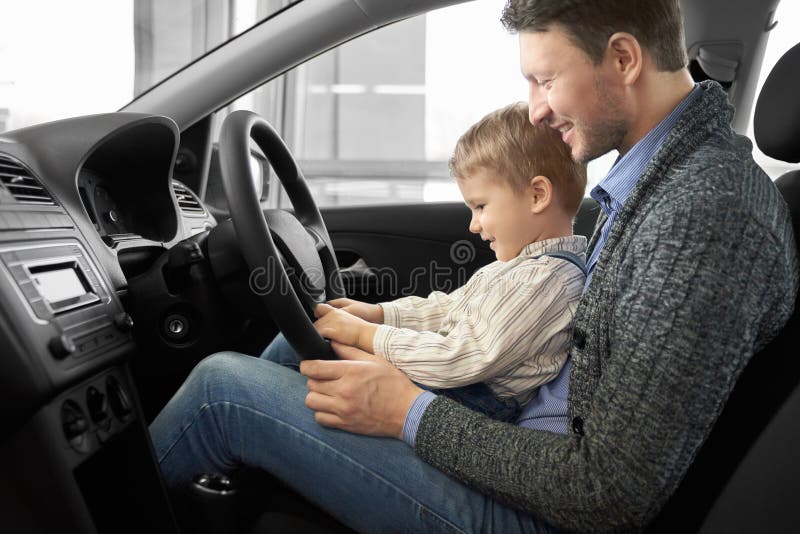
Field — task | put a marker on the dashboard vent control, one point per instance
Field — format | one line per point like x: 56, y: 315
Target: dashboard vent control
x: 22, y: 185
x: 186, y: 200
x: 97, y: 403
x: 120, y: 403
x: 75, y: 425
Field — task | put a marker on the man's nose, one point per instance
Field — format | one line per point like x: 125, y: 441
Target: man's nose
x: 538, y: 108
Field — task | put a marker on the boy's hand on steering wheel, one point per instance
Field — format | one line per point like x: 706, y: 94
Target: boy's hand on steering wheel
x: 372, y: 313
x: 343, y: 327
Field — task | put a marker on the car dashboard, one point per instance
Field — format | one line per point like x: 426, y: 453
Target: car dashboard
x: 75, y: 196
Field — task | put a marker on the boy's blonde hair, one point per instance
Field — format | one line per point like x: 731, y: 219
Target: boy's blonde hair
x: 505, y: 142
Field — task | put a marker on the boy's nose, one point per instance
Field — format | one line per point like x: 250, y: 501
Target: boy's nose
x: 474, y: 225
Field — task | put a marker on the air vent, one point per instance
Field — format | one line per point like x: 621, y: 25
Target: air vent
x: 22, y: 185
x: 186, y: 200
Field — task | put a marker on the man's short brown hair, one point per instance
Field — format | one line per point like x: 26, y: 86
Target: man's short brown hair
x: 656, y: 24
x: 505, y: 142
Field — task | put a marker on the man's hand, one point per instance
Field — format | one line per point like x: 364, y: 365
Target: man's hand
x: 372, y: 313
x: 360, y: 393
x: 343, y: 327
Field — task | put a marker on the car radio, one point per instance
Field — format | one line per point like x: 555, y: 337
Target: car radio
x: 66, y: 299
x: 62, y: 284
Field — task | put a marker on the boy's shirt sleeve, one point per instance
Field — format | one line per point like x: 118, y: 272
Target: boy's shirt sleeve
x: 519, y: 316
x: 420, y: 313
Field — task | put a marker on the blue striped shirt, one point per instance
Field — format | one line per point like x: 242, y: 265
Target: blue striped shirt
x: 548, y: 410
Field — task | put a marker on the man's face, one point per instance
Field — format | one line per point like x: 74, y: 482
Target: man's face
x: 571, y: 94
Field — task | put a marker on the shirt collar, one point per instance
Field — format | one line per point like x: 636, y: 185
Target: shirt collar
x: 574, y: 243
x: 626, y: 171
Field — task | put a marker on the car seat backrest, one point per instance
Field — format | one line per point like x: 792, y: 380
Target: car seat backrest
x: 745, y: 476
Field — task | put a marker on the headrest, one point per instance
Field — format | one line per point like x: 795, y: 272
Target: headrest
x: 776, y: 123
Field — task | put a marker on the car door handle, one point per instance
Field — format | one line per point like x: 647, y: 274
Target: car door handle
x: 359, y: 272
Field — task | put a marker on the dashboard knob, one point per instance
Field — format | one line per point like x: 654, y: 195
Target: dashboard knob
x: 123, y: 321
x: 61, y: 346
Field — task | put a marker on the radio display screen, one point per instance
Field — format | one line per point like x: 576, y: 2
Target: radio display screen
x: 59, y: 285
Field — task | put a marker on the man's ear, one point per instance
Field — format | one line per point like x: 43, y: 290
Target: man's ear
x: 625, y: 56
x: 540, y: 191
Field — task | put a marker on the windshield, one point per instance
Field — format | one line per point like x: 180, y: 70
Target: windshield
x: 61, y: 59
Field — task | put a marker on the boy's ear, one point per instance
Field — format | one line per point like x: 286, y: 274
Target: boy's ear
x: 541, y: 193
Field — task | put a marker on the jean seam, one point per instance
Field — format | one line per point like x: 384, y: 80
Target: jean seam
x: 183, y: 431
x: 422, y: 509
x: 426, y: 514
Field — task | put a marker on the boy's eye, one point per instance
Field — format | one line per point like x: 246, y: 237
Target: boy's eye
x: 479, y: 207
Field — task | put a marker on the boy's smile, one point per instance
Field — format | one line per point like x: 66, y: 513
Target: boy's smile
x: 500, y: 214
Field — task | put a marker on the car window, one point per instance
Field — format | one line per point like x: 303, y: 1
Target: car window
x: 374, y: 121
x: 109, y: 51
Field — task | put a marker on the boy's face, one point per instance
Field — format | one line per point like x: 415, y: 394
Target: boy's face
x: 500, y: 214
x: 571, y: 94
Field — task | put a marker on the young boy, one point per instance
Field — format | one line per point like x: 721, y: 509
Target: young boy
x: 493, y: 341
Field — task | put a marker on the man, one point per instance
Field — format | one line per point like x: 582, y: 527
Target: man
x: 692, y: 270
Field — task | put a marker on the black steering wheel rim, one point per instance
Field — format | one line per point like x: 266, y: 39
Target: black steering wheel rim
x: 280, y: 296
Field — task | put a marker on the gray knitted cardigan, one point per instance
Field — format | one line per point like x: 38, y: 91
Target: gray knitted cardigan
x: 698, y: 273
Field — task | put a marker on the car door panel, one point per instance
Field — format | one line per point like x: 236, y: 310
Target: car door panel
x: 386, y: 252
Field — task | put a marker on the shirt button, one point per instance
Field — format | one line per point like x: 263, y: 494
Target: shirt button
x: 578, y: 338
x: 577, y: 425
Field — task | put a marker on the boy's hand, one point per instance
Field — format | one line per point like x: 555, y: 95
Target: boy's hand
x: 369, y: 312
x: 341, y: 326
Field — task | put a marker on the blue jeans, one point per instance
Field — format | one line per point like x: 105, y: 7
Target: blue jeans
x: 478, y: 397
x: 238, y: 411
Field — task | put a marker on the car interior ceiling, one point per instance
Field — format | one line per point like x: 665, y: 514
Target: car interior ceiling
x: 105, y: 480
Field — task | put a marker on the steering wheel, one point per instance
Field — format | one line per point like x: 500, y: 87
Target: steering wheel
x: 290, y: 256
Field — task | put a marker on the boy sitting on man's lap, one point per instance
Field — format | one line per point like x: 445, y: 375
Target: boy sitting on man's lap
x: 490, y: 343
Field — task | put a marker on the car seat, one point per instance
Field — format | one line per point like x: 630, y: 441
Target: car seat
x: 746, y: 475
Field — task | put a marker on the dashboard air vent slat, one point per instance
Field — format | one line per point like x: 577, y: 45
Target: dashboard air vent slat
x: 22, y: 185
x: 186, y: 200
